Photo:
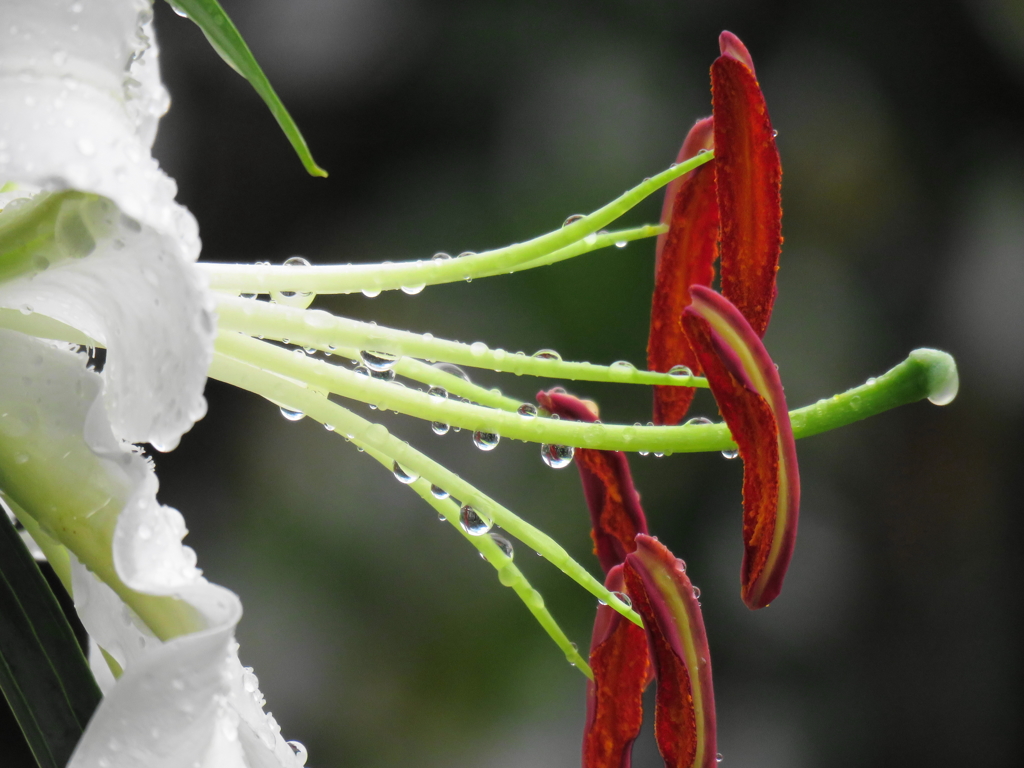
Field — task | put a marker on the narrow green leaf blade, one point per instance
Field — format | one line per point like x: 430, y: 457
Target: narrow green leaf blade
x: 227, y: 41
x: 43, y: 672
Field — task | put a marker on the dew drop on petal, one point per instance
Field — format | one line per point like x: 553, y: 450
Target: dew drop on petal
x: 557, y: 456
x: 378, y: 361
x: 440, y: 428
x: 696, y: 593
x: 547, y: 354
x: 573, y: 219
x: 439, y: 493
x: 403, y: 475
x: 412, y: 290
x: 731, y: 453
x: 301, y: 755
x: 371, y: 293
x: 527, y: 411
x: 718, y: 757
x: 291, y: 415
x: 697, y: 420
x: 439, y: 392
x: 486, y: 441
x: 478, y: 349
x: 680, y: 370
x: 620, y: 244
x: 473, y: 522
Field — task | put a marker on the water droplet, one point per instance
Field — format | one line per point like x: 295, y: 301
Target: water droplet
x: 571, y: 656
x: 527, y: 411
x: 871, y: 381
x: 371, y: 293
x: 301, y: 754
x: 403, y: 475
x: 718, y: 757
x: 557, y: 456
x: 703, y: 151
x: 680, y: 370
x: 573, y: 219
x: 696, y: 593
x: 300, y: 299
x: 774, y: 133
x: 504, y: 545
x: 378, y: 361
x: 696, y: 420
x: 477, y: 348
x: 624, y: 598
x: 621, y: 369
x: 547, y: 354
x: 291, y: 415
x: 439, y: 392
x: 248, y: 295
x: 440, y: 256
x: 452, y: 369
x: 439, y: 493
x: 486, y: 441
x: 412, y: 290
x: 731, y: 453
x: 440, y: 428
x: 620, y: 244
x: 508, y: 574
x: 473, y: 522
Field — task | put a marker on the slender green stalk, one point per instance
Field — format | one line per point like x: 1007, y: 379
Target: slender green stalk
x: 372, y: 278
x: 924, y: 374
x: 319, y: 329
x: 368, y: 435
x: 508, y: 574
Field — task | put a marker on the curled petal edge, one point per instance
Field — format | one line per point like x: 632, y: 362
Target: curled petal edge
x: 61, y: 464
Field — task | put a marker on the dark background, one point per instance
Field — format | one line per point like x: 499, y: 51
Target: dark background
x: 379, y: 637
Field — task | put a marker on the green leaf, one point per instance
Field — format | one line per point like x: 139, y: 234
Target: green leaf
x: 227, y: 41
x: 43, y: 672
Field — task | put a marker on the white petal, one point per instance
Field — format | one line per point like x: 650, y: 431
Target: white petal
x: 179, y: 702
x: 134, y: 295
x: 80, y: 96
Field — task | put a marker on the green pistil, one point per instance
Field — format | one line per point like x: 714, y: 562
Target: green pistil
x: 924, y: 374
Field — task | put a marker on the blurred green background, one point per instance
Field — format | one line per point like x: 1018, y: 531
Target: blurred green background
x: 379, y: 637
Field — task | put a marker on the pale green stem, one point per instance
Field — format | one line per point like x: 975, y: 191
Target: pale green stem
x: 364, y: 277
x: 322, y: 330
x: 508, y: 573
x: 294, y: 396
x: 247, y: 278
x: 433, y: 376
x: 924, y: 374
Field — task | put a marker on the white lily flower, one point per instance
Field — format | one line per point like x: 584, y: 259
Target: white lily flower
x: 94, y: 249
